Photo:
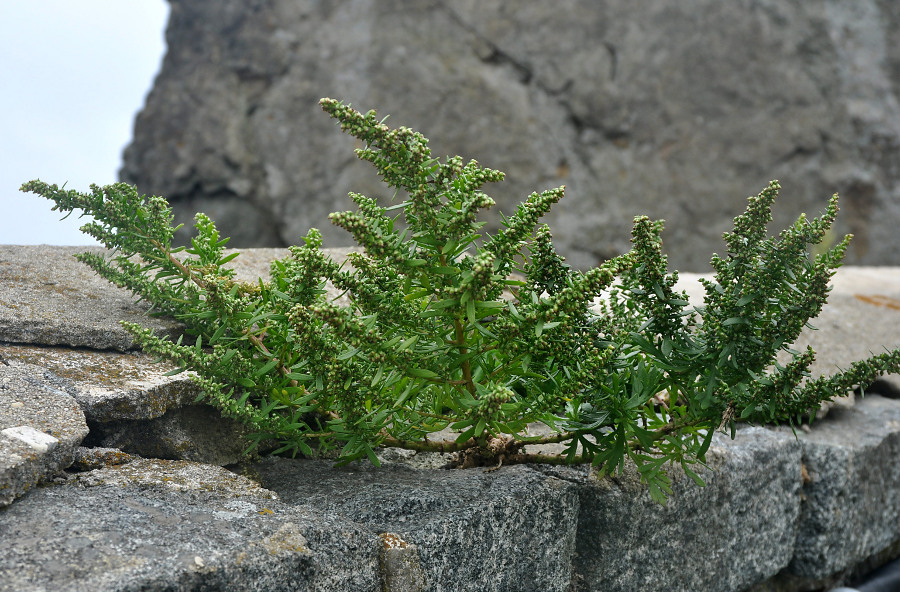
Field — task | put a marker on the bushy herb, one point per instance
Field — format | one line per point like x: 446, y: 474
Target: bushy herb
x: 485, y: 335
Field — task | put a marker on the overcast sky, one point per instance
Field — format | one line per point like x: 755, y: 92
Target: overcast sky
x: 75, y: 73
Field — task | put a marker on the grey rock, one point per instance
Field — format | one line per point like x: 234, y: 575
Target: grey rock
x: 737, y: 531
x: 132, y: 406
x: 110, y: 385
x: 400, y: 568
x: 197, y: 433
x: 511, y: 529
x: 40, y: 428
x: 88, y: 459
x: 676, y: 111
x: 126, y: 398
x: 48, y: 298
x: 850, y: 509
x: 159, y: 525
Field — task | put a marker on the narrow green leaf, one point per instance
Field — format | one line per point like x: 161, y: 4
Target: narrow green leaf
x: 446, y: 303
x: 747, y: 299
x: 378, y: 374
x: 265, y: 369
x: 299, y: 376
x: 407, y: 392
x: 218, y: 334
x: 657, y: 494
x: 515, y: 312
x: 421, y: 373
x: 465, y: 435
x: 490, y: 305
x: 417, y: 294
x: 694, y: 476
x: 479, y: 427
x: 227, y: 258
x: 347, y: 354
x: 372, y: 458
x: 735, y: 321
x: 707, y: 440
x: 407, y: 344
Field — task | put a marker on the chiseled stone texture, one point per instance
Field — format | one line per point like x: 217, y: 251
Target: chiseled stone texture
x: 172, y: 525
x: 41, y: 426
x: 674, y: 110
x: 400, y: 568
x: 508, y: 530
x: 735, y: 532
x: 851, y: 507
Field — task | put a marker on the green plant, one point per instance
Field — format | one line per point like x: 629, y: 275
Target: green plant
x: 483, y: 335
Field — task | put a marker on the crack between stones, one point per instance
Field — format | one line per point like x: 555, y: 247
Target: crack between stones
x: 500, y: 58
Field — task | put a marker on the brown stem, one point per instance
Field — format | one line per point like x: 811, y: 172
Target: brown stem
x: 174, y: 261
x: 463, y: 350
x: 428, y: 445
x: 552, y: 439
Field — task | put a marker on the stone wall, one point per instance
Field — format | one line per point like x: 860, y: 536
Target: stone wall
x: 674, y: 110
x: 112, y: 477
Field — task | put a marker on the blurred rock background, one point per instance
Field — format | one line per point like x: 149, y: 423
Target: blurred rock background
x: 674, y: 110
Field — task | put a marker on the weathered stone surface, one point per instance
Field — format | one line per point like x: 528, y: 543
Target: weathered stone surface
x: 40, y: 428
x: 48, y: 298
x: 401, y: 571
x: 87, y: 459
x: 511, y: 529
x: 159, y: 525
x: 677, y: 111
x: 109, y: 385
x: 128, y: 401
x: 129, y: 404
x: 197, y: 433
x: 851, y: 509
x: 737, y: 531
x: 255, y: 263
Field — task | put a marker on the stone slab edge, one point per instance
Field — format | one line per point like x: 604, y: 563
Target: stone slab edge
x: 40, y: 428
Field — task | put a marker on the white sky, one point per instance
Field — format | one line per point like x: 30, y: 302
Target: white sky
x: 74, y: 74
